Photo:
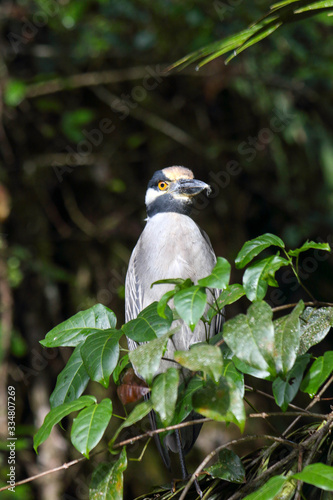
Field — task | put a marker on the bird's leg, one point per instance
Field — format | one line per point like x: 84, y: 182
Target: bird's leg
x: 185, y: 474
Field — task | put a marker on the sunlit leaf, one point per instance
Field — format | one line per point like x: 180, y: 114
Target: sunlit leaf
x: 57, y: 414
x: 269, y: 490
x: 164, y: 395
x: 220, y: 275
x: 147, y: 357
x: 315, y: 324
x: 89, y: 426
x: 321, y: 369
x: 75, y: 329
x: 71, y: 381
x: 253, y: 247
x: 259, y: 275
x: 309, y: 245
x: 190, y: 304
x: 149, y: 324
x: 107, y: 480
x: 287, y: 335
x: 203, y: 357
x: 319, y: 475
x: 251, y: 337
x: 100, y: 353
x: 229, y: 467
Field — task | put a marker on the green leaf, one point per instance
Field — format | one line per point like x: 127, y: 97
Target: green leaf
x: 71, y: 381
x: 138, y: 413
x: 148, y: 325
x: 147, y: 357
x: 184, y: 402
x: 229, y: 467
x: 231, y: 373
x: 14, y: 92
x: 307, y: 246
x: 57, y: 414
x: 249, y: 370
x: 319, y: 475
x: 323, y: 4
x: 259, y: 275
x: 75, y: 329
x: 318, y: 373
x: 164, y: 395
x: 284, y: 390
x: 123, y: 362
x: 220, y: 275
x: 162, y: 303
x: 315, y: 324
x: 100, y: 353
x: 221, y: 402
x: 251, y: 337
x: 269, y: 490
x: 203, y: 357
x: 190, y: 304
x: 229, y: 295
x: 89, y: 426
x: 253, y: 247
x: 287, y: 335
x: 107, y: 480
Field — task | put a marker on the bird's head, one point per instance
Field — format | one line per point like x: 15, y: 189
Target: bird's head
x: 173, y: 189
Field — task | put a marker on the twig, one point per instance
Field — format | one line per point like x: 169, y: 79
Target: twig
x: 310, y: 304
x: 230, y: 443
x: 288, y: 414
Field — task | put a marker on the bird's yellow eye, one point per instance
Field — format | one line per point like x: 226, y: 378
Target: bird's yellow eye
x: 162, y: 185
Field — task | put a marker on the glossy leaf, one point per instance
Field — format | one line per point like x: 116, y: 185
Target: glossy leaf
x: 162, y: 303
x: 138, y: 413
x: 269, y: 490
x: 229, y: 467
x: 251, y: 337
x: 231, y: 373
x: 315, y: 324
x: 76, y: 329
x: 259, y: 275
x: 147, y: 357
x: 203, y: 357
x: 221, y: 402
x: 253, y: 247
x: 100, y: 353
x: 71, y: 381
x: 164, y: 395
x: 89, y: 426
x: 149, y: 324
x: 123, y: 362
x: 308, y: 246
x: 190, y: 304
x: 57, y: 414
x: 319, y: 475
x: 284, y: 390
x: 107, y: 480
x: 287, y: 335
x: 318, y: 373
x: 220, y: 275
x: 184, y: 402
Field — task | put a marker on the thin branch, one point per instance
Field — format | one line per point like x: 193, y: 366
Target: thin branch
x: 213, y: 453
x: 158, y: 431
x: 315, y: 303
x: 288, y: 414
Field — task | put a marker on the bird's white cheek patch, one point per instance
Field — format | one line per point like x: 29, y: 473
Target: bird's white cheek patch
x: 151, y: 195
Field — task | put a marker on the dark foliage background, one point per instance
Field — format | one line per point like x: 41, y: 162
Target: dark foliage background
x: 72, y: 184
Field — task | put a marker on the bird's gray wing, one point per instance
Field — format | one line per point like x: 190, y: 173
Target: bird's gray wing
x: 218, y: 320
x: 133, y: 296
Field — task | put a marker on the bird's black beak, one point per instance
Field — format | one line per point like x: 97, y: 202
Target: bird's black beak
x: 190, y: 187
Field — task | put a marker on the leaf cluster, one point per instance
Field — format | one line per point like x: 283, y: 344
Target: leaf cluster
x: 253, y: 344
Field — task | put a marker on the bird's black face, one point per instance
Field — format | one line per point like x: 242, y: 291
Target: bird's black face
x: 172, y: 190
